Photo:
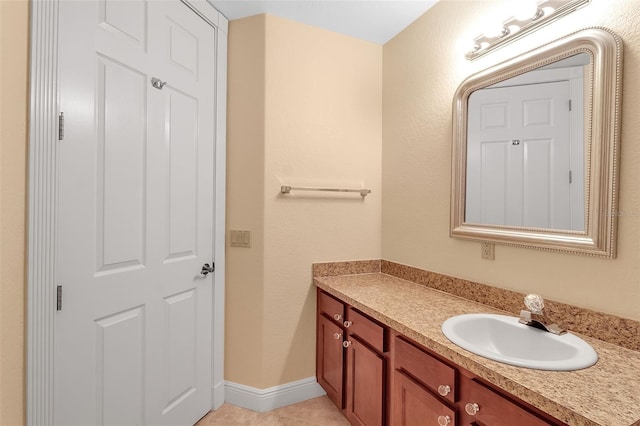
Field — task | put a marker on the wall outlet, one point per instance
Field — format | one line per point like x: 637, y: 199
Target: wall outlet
x: 240, y: 239
x: 487, y: 251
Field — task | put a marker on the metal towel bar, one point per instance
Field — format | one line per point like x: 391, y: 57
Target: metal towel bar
x: 285, y: 189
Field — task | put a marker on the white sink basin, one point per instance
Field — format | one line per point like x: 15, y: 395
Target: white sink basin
x: 502, y: 338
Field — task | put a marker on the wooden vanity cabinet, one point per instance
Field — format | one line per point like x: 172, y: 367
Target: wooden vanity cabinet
x: 366, y: 370
x: 351, y: 362
x: 431, y: 391
x: 378, y: 377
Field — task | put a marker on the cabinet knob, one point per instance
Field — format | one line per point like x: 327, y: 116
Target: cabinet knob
x: 337, y: 317
x: 347, y: 324
x: 471, y: 408
x: 444, y: 420
x: 346, y: 343
x: 337, y: 336
x: 444, y: 390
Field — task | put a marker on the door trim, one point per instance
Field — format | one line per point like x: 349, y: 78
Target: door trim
x: 42, y: 205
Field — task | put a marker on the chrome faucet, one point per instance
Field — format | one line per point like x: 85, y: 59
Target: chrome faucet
x: 534, y: 317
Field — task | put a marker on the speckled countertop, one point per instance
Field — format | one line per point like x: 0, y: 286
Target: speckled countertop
x: 607, y: 394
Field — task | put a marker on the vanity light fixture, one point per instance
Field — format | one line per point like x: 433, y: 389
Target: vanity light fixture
x: 514, y: 28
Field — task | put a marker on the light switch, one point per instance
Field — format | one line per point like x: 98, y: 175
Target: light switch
x: 240, y: 238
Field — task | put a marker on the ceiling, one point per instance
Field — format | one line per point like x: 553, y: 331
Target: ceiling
x: 377, y: 21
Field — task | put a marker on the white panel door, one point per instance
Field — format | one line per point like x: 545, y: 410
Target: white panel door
x: 133, y: 338
x: 518, y: 156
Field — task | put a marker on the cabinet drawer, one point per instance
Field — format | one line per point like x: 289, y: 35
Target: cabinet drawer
x: 485, y: 406
x: 433, y: 373
x: 413, y: 405
x: 367, y: 330
x: 332, y: 308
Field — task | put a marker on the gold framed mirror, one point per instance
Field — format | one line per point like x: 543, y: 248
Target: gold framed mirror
x: 536, y: 146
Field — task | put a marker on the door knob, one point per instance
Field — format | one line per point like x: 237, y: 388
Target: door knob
x: 157, y: 83
x: 206, y: 269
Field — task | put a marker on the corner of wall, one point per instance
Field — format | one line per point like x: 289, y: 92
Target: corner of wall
x: 245, y: 205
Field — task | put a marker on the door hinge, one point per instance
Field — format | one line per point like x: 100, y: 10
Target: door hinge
x: 570, y: 105
x: 59, y: 298
x: 61, y: 126
x: 570, y: 177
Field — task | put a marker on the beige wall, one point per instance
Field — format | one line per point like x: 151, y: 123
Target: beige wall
x: 245, y: 204
x: 423, y: 66
x: 317, y: 123
x: 14, y: 20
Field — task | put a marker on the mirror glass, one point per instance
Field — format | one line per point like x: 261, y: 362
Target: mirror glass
x: 525, y: 148
x: 535, y: 148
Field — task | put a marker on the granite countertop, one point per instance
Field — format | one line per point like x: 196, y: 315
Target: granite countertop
x: 606, y: 394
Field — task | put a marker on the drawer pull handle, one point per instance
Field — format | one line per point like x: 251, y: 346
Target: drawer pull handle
x: 347, y: 324
x: 337, y: 317
x: 337, y: 336
x: 444, y: 420
x: 346, y: 343
x: 471, y: 408
x: 444, y: 390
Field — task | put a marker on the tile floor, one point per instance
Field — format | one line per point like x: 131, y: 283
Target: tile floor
x: 313, y: 412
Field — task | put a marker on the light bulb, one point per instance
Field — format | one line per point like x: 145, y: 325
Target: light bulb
x: 526, y: 10
x: 513, y: 28
x: 548, y: 10
x: 493, y: 31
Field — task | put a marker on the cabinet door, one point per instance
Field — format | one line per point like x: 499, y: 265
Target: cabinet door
x: 365, y: 385
x: 330, y: 359
x: 413, y: 405
x: 483, y: 406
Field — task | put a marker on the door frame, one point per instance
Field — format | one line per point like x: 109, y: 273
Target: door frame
x: 42, y: 205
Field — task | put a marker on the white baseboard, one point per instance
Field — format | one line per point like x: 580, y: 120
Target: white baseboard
x: 261, y: 400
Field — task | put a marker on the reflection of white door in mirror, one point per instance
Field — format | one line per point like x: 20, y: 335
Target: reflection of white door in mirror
x: 538, y: 181
x: 519, y: 147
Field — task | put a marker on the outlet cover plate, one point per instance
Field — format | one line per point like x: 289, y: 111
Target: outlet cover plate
x: 487, y: 251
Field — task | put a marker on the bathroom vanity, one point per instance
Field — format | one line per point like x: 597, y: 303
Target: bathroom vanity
x: 383, y: 359
x: 388, y: 379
